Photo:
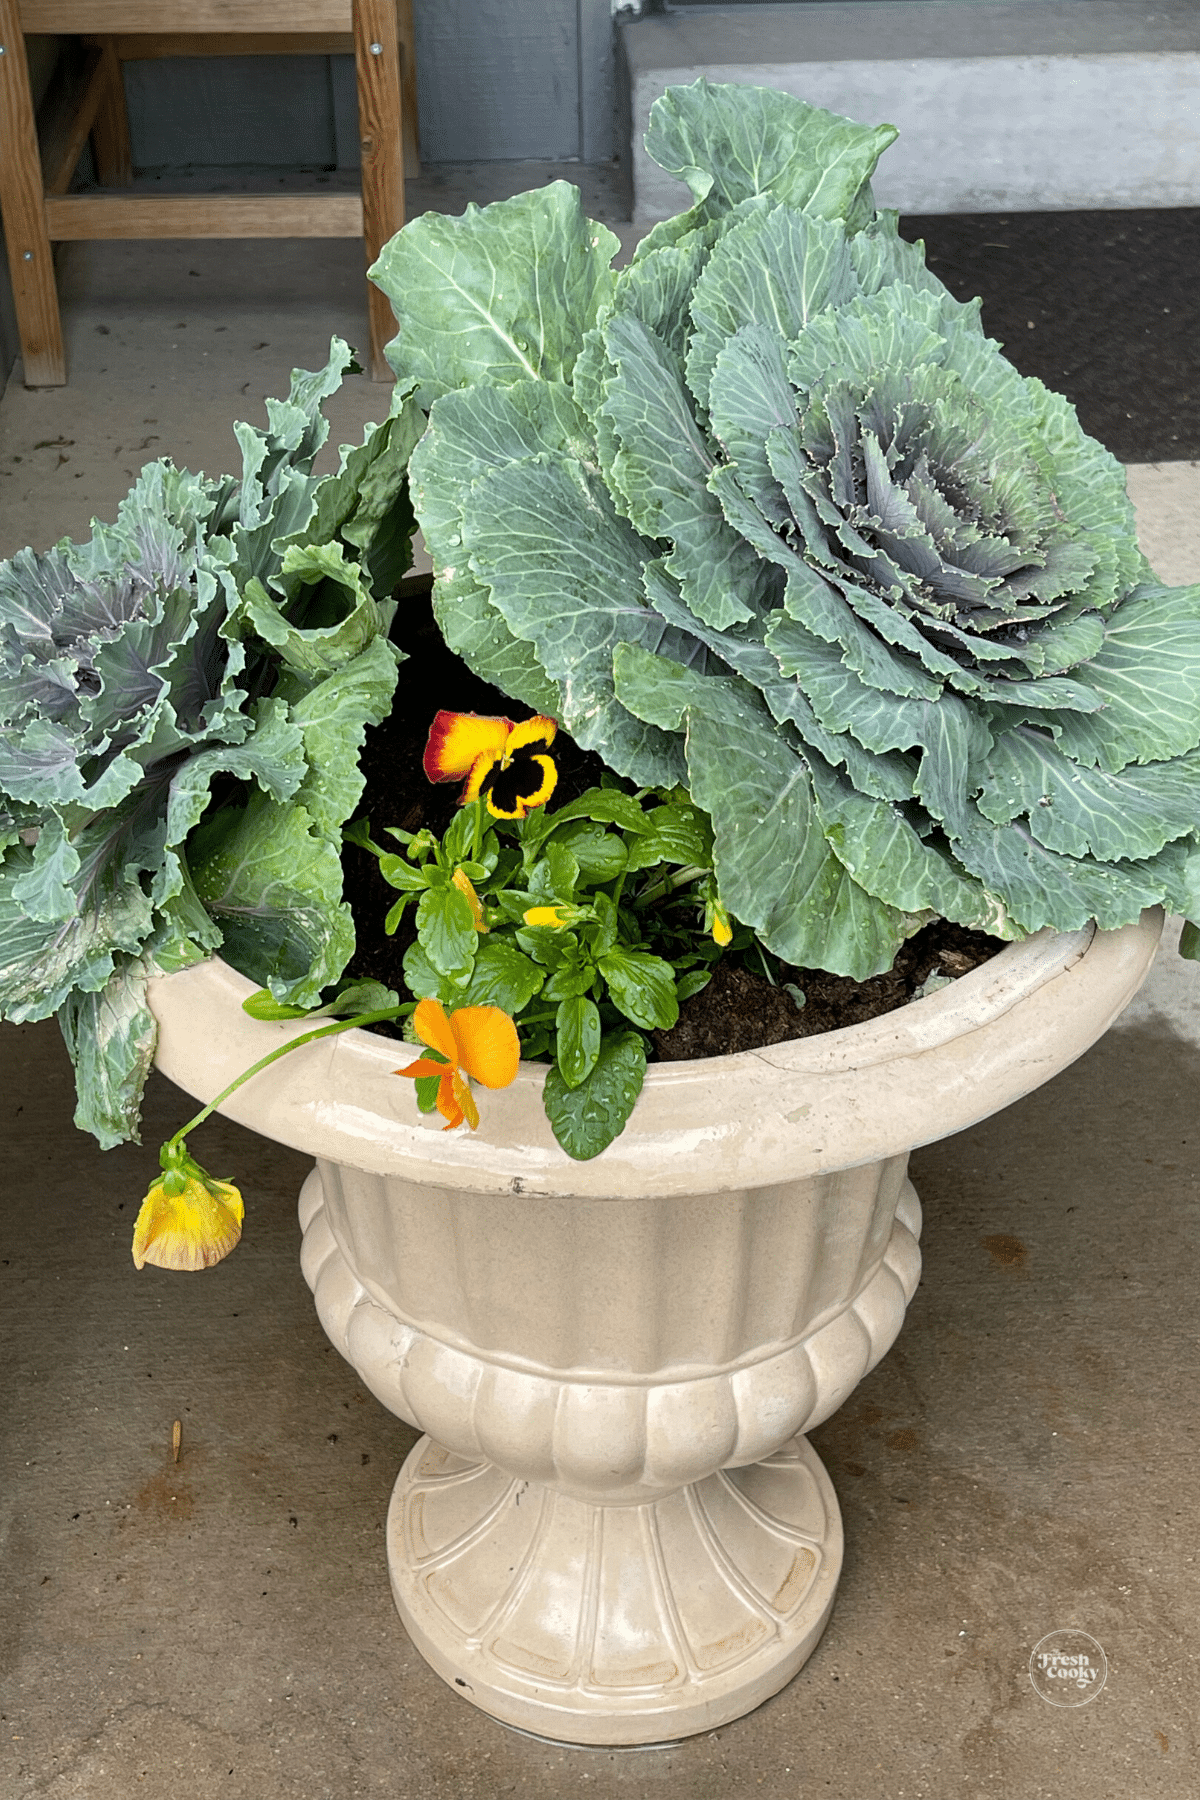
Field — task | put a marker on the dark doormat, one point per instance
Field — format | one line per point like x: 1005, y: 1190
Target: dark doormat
x: 1103, y: 306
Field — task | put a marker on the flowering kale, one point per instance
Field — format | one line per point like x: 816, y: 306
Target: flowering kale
x: 221, y: 631
x: 767, y: 512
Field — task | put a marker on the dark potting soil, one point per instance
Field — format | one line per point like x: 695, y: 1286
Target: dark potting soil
x: 1104, y: 307
x: 740, y: 1009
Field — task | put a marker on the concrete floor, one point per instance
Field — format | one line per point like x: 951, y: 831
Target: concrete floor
x: 1024, y: 1459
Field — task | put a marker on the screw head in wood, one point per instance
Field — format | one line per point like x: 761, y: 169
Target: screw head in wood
x: 376, y: 49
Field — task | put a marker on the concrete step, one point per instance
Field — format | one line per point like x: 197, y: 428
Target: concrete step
x: 1028, y: 105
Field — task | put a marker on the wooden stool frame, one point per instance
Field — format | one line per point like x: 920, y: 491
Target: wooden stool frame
x: 38, y: 211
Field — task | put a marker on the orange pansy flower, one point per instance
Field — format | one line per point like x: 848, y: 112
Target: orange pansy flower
x: 495, y: 758
x: 480, y: 1041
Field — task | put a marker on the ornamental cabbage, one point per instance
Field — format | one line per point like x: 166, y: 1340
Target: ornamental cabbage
x: 221, y: 638
x: 767, y: 513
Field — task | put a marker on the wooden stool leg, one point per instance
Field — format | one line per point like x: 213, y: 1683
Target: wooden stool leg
x: 110, y: 128
x: 377, y: 57
x: 30, y: 259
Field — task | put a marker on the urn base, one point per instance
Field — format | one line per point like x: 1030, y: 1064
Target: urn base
x: 614, y: 1625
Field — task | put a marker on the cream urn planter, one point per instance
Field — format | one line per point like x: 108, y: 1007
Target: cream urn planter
x: 614, y: 1530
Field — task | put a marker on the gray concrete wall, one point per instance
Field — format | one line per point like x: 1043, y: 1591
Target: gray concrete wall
x: 1026, y: 105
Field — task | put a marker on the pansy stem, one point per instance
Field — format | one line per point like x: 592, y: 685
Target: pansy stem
x: 307, y: 1037
x: 669, y: 883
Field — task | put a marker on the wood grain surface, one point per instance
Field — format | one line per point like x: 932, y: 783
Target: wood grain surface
x: 377, y: 55
x: 30, y: 259
x: 76, y: 216
x: 196, y: 15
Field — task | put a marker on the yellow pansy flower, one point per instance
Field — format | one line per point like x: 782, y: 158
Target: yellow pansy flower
x: 188, y: 1220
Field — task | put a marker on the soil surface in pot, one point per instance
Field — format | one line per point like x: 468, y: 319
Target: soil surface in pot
x: 740, y: 1009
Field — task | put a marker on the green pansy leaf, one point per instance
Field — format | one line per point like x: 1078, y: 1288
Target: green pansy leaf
x: 574, y: 975
x: 599, y: 855
x: 642, y: 987
x: 679, y: 833
x: 427, y: 1087
x: 608, y: 806
x: 577, y: 1039
x: 446, y: 928
x: 424, y: 982
x: 601, y: 934
x: 502, y: 976
x: 262, y: 1004
x: 398, y: 872
x: 549, y: 945
x: 356, y: 997
x: 586, y: 1119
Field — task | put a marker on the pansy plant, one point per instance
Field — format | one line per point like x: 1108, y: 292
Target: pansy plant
x: 587, y: 925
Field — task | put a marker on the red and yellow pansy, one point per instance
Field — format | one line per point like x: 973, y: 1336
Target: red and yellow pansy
x: 495, y: 759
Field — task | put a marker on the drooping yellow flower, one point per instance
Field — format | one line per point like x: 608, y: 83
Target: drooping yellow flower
x: 187, y: 1220
x: 466, y: 886
x: 494, y: 758
x: 480, y: 1041
x: 721, y: 925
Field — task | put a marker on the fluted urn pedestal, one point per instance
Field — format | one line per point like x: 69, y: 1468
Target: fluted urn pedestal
x: 614, y: 1530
